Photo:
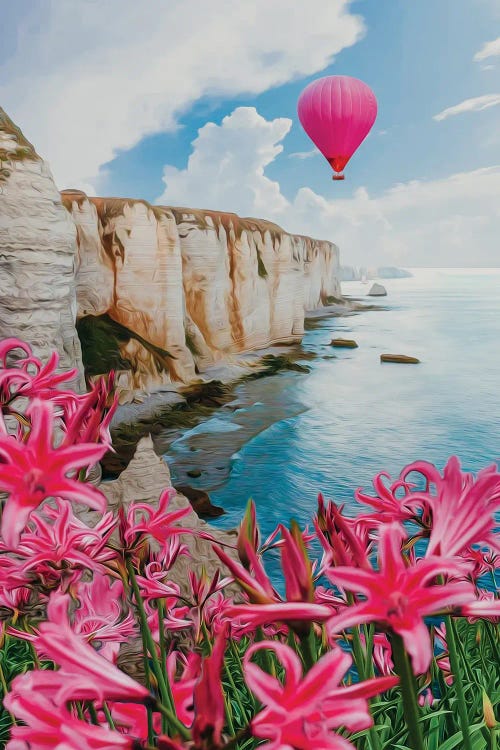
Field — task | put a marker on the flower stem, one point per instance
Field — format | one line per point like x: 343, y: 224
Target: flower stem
x: 163, y: 650
x: 458, y: 681
x: 408, y: 691
x: 307, y: 650
x: 166, y: 696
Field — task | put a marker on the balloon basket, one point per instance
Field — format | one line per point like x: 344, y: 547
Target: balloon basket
x: 338, y: 177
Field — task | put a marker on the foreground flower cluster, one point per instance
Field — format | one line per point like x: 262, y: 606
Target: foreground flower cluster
x: 341, y: 655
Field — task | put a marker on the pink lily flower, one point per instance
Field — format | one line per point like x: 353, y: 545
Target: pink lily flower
x: 153, y: 584
x: 158, y: 523
x: 87, y: 417
x: 48, y: 725
x: 462, y: 508
x: 486, y: 607
x: 17, y: 380
x: 344, y: 541
x: 399, y: 595
x: 183, y: 687
x: 266, y: 605
x: 99, y: 618
x: 33, y: 470
x: 387, y: 505
x: 83, y: 673
x: 208, y: 698
x: 58, y: 552
x: 302, y: 711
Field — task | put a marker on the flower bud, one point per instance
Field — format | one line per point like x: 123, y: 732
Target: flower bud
x: 488, y: 712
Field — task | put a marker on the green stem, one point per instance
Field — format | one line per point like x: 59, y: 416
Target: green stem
x: 307, y: 650
x: 243, y: 734
x: 163, y: 650
x: 107, y: 714
x: 236, y: 692
x: 493, y: 741
x: 458, y: 682
x: 408, y: 692
x: 164, y: 689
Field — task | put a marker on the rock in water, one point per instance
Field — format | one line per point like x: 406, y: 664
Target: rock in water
x: 37, y: 254
x: 399, y: 358
x: 344, y: 343
x: 377, y: 290
x: 200, y: 502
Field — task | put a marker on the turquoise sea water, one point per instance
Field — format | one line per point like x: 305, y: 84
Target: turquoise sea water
x: 331, y: 430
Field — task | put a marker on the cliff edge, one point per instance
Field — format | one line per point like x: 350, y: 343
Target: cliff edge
x: 165, y: 292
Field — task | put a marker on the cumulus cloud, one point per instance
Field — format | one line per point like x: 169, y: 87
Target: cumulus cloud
x: 489, y: 49
x: 88, y: 79
x: 226, y: 167
x: 452, y: 221
x: 476, y: 104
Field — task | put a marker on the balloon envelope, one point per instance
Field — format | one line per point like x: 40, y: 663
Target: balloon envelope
x: 337, y: 113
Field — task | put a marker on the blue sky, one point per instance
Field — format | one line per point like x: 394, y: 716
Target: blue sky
x: 417, y: 58
x: 114, y: 96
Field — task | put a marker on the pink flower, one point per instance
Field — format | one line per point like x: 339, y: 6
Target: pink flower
x: 56, y: 551
x: 399, y: 595
x: 487, y: 607
x: 345, y: 542
x: 265, y: 603
x: 83, y: 673
x: 183, y: 687
x: 33, y: 470
x: 209, y: 708
x: 159, y: 522
x: 462, y: 508
x: 87, y: 417
x: 48, y: 725
x: 302, y: 711
x: 387, y: 505
x: 99, y: 618
x: 17, y: 380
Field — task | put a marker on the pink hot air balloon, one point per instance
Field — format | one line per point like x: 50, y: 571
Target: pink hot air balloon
x: 337, y: 113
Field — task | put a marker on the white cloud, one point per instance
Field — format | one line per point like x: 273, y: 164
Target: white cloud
x: 88, y: 79
x: 452, y: 221
x: 489, y: 49
x: 226, y: 167
x: 304, y: 154
x: 477, y: 104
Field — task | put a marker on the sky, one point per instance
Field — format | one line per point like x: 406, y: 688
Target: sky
x: 193, y: 103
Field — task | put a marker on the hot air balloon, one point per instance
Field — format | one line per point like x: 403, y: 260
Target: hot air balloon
x: 337, y: 113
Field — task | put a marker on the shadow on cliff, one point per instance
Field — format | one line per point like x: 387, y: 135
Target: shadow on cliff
x: 102, y: 340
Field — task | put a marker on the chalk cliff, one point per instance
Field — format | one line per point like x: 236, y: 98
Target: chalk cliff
x: 37, y: 253
x: 165, y: 292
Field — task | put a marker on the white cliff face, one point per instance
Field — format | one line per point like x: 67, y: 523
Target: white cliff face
x: 175, y: 290
x: 37, y: 254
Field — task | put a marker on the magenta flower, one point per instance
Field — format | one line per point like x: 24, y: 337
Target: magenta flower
x: 301, y: 711
x: 344, y: 541
x: 208, y: 698
x: 387, y: 505
x: 99, y: 618
x: 29, y: 377
x: 266, y: 605
x: 48, y: 725
x: 160, y: 523
x: 486, y: 607
x: 33, y: 470
x: 183, y: 687
x: 87, y: 417
x: 399, y: 595
x: 462, y: 508
x: 57, y: 552
x: 83, y: 673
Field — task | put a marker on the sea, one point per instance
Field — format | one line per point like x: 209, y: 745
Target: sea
x: 289, y: 436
